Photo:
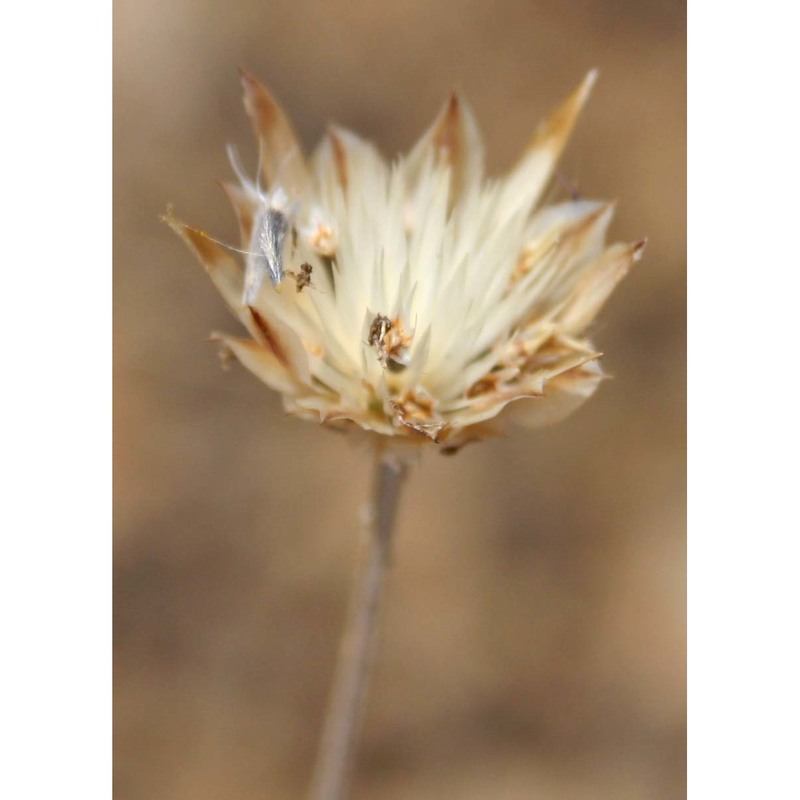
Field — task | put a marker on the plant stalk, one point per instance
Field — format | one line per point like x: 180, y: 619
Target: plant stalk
x: 342, y: 727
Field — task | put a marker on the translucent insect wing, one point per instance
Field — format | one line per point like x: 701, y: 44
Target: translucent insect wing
x: 270, y: 242
x: 267, y: 261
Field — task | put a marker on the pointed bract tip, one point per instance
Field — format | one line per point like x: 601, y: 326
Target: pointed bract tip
x: 577, y: 99
x: 637, y: 249
x: 229, y: 188
x: 600, y: 216
x: 590, y: 80
x: 335, y: 131
x: 452, y: 112
x: 253, y: 88
x: 448, y: 135
x: 246, y: 76
x: 557, y: 127
x: 607, y: 210
x: 453, y: 103
x: 250, y: 83
x: 169, y: 218
x: 258, y: 101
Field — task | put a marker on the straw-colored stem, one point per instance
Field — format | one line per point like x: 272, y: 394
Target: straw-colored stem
x: 342, y: 727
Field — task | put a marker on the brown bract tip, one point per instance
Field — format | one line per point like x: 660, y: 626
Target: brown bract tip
x: 447, y: 136
x: 556, y: 129
x: 258, y: 102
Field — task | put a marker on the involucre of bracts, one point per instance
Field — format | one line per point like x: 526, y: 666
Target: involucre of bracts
x: 416, y: 300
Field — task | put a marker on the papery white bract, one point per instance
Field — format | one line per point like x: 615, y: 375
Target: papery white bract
x: 438, y: 299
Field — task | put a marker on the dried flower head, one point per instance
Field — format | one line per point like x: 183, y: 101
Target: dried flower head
x: 428, y: 298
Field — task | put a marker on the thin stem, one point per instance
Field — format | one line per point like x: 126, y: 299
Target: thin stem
x: 346, y: 709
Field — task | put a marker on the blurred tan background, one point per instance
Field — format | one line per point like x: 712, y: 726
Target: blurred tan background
x: 533, y: 640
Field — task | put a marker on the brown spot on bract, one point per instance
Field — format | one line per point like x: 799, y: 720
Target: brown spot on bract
x: 339, y: 158
x: 483, y: 386
x: 270, y: 338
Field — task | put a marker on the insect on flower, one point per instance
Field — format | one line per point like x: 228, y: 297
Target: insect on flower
x: 302, y: 278
x: 267, y: 261
x: 448, y: 306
